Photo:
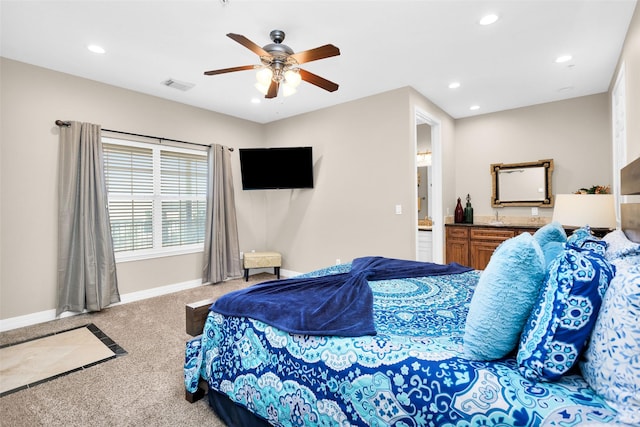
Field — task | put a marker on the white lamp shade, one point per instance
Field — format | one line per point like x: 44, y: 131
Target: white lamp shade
x: 264, y: 76
x: 262, y: 88
x: 578, y: 210
x: 288, y: 90
x: 292, y: 78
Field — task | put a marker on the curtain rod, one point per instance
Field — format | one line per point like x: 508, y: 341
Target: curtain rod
x: 65, y: 124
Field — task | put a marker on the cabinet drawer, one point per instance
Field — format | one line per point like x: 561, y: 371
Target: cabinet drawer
x: 491, y: 234
x: 457, y: 233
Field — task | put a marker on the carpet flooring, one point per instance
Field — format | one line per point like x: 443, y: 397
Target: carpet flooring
x: 29, y: 363
x: 143, y: 388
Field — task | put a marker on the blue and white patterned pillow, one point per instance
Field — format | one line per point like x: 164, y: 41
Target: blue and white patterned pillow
x: 582, y: 238
x: 618, y: 245
x: 560, y: 323
x: 611, y: 362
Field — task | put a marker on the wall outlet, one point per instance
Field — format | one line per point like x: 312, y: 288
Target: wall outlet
x: 338, y: 261
x: 241, y: 255
x: 534, y: 211
x: 398, y: 209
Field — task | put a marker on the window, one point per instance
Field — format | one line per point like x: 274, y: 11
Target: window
x: 157, y: 198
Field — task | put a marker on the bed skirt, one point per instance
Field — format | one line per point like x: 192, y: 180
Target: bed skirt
x: 233, y: 415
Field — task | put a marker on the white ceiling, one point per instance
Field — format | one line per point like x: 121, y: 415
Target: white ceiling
x: 384, y: 45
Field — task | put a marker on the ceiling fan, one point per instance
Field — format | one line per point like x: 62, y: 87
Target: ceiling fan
x: 281, y: 66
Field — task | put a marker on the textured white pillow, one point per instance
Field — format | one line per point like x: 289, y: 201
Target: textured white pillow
x: 619, y: 246
x: 612, y: 360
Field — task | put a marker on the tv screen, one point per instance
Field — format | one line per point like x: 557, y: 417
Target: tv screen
x: 276, y: 168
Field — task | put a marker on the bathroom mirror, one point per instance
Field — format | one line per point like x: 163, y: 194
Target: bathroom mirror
x: 522, y: 184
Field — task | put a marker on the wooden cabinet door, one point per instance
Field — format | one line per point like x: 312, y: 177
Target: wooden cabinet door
x: 458, y: 251
x: 457, y: 245
x: 481, y: 251
x: 483, y: 241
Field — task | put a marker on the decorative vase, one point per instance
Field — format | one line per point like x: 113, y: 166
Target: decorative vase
x: 459, y: 213
x: 468, y: 211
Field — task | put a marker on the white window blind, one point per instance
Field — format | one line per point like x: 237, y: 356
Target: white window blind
x: 157, y: 198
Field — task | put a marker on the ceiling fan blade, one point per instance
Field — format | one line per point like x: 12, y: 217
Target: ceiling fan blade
x: 229, y: 70
x: 273, y: 89
x: 326, y: 51
x: 248, y: 44
x: 318, y: 81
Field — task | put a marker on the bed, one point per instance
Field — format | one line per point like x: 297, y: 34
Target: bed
x: 418, y: 366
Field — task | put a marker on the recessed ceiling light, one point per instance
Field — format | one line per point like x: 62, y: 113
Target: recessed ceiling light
x: 563, y: 58
x: 489, y: 19
x: 474, y: 107
x: 255, y: 100
x: 96, y: 49
x: 454, y: 85
x: 565, y: 89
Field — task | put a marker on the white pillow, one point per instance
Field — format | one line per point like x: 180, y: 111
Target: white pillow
x: 611, y: 363
x: 618, y: 245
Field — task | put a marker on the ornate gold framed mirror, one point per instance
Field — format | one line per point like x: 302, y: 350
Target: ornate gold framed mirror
x: 522, y: 184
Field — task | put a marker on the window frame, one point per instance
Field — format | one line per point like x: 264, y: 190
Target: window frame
x: 158, y: 251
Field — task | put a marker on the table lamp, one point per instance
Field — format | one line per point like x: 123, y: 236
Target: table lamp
x: 577, y: 210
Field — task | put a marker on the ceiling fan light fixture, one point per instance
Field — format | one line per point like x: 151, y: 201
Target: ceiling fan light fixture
x: 280, y: 65
x: 292, y: 78
x: 262, y: 88
x: 288, y: 90
x: 264, y: 76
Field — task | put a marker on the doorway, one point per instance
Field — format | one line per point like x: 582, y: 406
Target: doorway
x: 434, y: 210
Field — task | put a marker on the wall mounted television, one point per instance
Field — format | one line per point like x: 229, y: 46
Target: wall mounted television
x: 276, y: 168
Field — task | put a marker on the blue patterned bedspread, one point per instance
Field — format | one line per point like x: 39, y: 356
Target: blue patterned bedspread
x: 409, y: 374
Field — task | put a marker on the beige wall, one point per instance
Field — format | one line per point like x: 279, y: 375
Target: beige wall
x: 32, y: 99
x: 574, y: 133
x: 361, y: 171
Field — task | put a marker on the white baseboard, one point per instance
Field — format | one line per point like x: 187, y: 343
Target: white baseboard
x: 49, y: 315
x: 288, y: 273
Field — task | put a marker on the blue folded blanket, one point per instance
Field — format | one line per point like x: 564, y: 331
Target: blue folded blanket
x: 337, y: 304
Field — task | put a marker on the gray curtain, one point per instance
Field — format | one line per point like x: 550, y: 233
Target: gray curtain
x: 86, y: 262
x: 221, y: 245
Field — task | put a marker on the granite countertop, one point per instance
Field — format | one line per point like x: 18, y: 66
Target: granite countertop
x: 424, y: 228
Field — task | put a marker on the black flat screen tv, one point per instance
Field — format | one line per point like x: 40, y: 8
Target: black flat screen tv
x: 276, y: 168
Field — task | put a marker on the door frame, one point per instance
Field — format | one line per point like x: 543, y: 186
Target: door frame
x: 437, y: 210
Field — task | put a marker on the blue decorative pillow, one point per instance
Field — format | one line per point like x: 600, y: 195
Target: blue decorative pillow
x: 551, y: 250
x: 506, y: 292
x: 566, y: 311
x: 582, y: 238
x: 579, y: 236
x: 552, y: 232
x: 611, y: 362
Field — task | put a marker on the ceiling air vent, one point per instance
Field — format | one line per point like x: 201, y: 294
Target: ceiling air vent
x: 176, y: 84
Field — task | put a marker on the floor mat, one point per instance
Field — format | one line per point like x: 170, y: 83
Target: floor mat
x: 29, y: 363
